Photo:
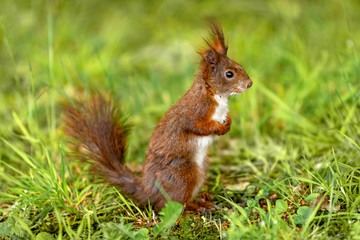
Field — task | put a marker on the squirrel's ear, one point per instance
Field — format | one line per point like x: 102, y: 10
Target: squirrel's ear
x: 210, y: 57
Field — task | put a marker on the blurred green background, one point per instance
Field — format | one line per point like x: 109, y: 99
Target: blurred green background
x: 301, y: 55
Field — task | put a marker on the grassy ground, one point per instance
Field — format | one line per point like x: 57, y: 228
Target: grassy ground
x: 289, y: 168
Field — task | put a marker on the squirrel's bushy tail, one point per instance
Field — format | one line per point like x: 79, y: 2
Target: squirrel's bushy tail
x: 100, y: 136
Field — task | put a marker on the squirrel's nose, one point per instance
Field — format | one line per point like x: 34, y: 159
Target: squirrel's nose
x: 249, y: 84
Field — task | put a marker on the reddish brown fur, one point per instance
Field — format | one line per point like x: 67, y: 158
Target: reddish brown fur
x: 173, y: 144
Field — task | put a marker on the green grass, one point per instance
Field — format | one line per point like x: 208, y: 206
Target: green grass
x: 289, y: 167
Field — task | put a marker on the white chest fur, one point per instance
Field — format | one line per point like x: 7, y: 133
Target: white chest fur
x: 203, y: 143
x: 222, y: 109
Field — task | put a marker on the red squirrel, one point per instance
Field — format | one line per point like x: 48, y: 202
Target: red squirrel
x: 176, y: 159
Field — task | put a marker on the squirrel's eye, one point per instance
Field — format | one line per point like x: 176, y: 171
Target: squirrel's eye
x: 229, y: 74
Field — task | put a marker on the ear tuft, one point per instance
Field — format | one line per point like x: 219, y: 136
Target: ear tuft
x: 217, y: 37
x: 215, y: 44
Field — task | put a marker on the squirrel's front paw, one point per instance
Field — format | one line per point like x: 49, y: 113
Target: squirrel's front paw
x: 226, y: 125
x: 224, y: 128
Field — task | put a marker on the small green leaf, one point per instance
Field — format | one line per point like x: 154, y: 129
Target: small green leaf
x: 45, y: 236
x: 303, y: 213
x: 168, y: 216
x: 262, y: 193
x: 311, y: 197
x: 22, y: 227
x: 251, y: 203
x: 5, y: 228
x: 247, y: 211
x: 280, y: 206
x: 119, y: 231
x: 142, y: 234
x: 251, y: 190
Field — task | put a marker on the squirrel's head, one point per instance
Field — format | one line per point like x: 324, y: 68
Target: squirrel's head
x: 222, y: 74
